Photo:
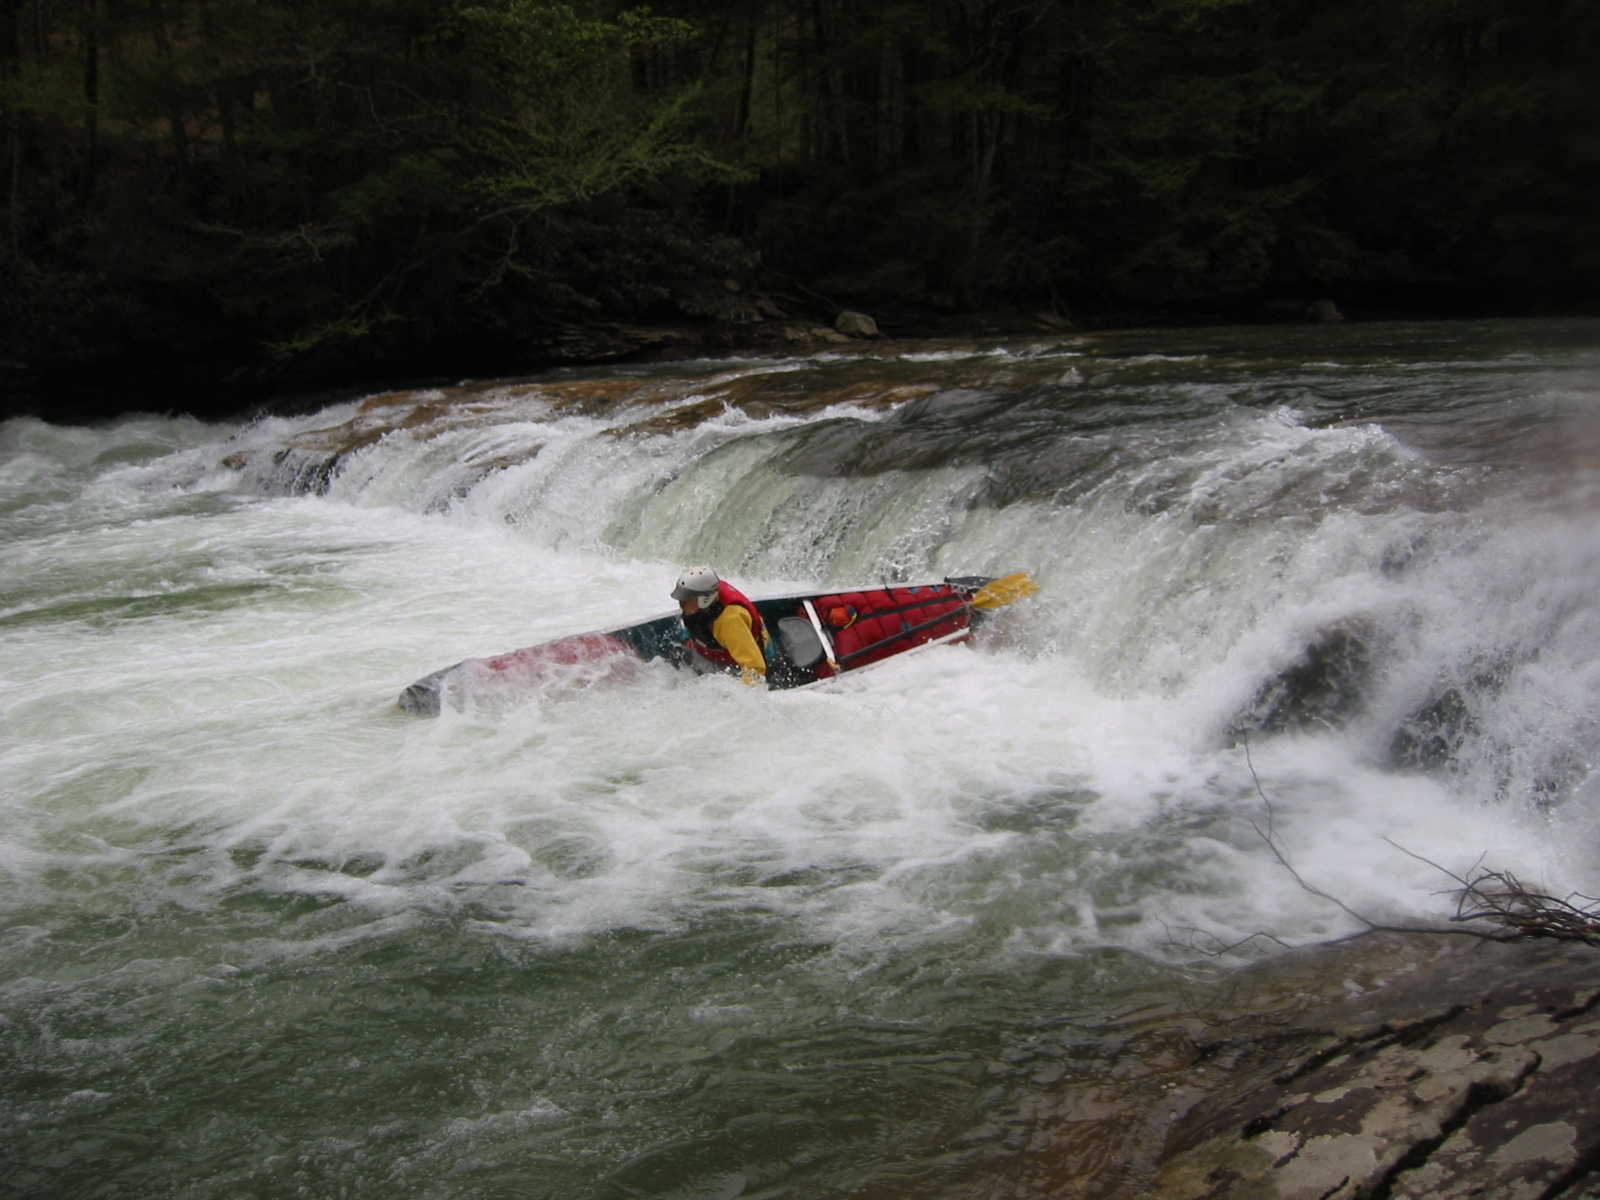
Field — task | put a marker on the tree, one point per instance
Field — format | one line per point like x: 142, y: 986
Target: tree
x: 348, y: 180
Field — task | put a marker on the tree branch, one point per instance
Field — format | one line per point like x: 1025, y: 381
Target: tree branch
x: 1505, y: 903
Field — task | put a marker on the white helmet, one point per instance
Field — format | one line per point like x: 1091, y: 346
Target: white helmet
x: 698, y: 583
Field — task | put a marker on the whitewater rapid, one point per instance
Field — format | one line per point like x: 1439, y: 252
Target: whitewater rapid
x: 210, y: 791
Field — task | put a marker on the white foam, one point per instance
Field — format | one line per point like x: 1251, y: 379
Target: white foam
x: 212, y: 707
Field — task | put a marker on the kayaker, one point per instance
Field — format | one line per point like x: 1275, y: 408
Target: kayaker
x: 724, y: 626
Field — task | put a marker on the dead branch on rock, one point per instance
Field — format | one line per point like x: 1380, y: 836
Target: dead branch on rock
x: 1491, y: 905
x: 1488, y: 897
x: 1267, y: 837
x: 1500, y: 898
x: 1195, y: 938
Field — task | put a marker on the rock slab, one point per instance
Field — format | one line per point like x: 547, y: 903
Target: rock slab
x: 1476, y: 1075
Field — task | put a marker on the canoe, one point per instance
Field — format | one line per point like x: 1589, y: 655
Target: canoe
x: 815, y: 636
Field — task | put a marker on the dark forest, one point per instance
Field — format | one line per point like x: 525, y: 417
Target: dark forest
x: 208, y: 201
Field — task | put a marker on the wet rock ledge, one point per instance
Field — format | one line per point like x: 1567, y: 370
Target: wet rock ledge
x: 1452, y: 1068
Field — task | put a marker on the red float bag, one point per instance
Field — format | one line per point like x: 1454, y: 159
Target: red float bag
x: 868, y: 627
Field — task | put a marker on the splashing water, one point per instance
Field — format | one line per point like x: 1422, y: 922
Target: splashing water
x: 266, y: 934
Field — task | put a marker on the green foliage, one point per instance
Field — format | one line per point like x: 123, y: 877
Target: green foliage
x: 381, y: 181
x: 363, y: 177
x: 43, y: 90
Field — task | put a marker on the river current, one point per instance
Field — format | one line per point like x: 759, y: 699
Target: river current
x: 1323, y: 596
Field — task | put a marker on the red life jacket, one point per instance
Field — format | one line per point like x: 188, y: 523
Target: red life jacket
x: 699, y: 625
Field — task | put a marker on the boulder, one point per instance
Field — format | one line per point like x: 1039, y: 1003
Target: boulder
x: 1322, y: 688
x: 770, y: 309
x: 856, y: 324
x: 1298, y: 308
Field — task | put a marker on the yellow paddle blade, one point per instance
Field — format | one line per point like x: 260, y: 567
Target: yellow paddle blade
x: 1006, y: 590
